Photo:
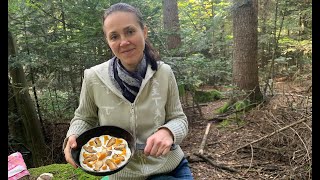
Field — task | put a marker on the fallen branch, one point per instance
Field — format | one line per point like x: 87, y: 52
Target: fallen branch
x: 271, y: 134
x: 217, y: 119
x: 204, y: 139
x: 215, y: 164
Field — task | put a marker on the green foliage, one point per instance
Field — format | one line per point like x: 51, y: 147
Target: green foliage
x: 196, y: 70
x: 182, y: 91
x: 225, y: 123
x: 224, y: 108
x: 55, y: 106
x: 229, y: 121
x: 234, y: 119
x: 62, y: 171
x: 207, y: 96
x: 242, y: 105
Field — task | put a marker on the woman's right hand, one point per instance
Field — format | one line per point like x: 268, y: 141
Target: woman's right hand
x: 71, y: 143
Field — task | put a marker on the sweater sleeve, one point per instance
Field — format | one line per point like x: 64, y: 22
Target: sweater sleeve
x: 176, y: 120
x: 85, y: 116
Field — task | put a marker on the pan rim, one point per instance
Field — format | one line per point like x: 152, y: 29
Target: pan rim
x: 98, y: 131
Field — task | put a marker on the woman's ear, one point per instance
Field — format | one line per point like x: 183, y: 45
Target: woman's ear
x: 145, y: 32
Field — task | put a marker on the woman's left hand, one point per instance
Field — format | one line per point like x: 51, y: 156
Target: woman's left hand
x: 159, y: 143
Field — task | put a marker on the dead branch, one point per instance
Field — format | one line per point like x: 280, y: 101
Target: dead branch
x: 271, y: 134
x: 250, y: 160
x: 217, y: 119
x: 215, y: 164
x: 274, y: 151
x: 204, y: 139
x: 304, y: 144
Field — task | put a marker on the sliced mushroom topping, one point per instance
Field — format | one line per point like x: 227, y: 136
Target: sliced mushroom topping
x: 93, y: 157
x: 104, y: 150
x: 117, y: 158
x: 120, y: 147
x: 98, y: 165
x: 89, y: 149
x: 98, y: 142
x: 111, y: 142
x: 111, y: 164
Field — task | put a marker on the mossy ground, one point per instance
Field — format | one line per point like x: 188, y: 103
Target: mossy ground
x: 62, y: 171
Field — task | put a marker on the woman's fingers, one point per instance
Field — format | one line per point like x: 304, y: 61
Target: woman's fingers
x: 71, y: 143
x: 159, y: 143
x: 166, y: 150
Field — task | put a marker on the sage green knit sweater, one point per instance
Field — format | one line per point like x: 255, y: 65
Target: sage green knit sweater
x: 156, y: 105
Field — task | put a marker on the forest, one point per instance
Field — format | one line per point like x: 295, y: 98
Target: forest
x: 243, y: 68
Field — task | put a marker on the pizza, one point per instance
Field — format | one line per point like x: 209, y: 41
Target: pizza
x: 104, y: 153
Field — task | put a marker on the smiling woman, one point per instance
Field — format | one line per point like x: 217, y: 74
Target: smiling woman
x: 137, y: 92
x: 126, y: 38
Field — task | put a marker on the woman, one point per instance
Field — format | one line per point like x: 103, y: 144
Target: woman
x: 136, y: 91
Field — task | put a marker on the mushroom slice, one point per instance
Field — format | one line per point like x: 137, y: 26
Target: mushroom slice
x: 104, y: 167
x: 92, y: 143
x: 98, y: 142
x: 90, y: 158
x: 106, y: 138
x: 117, y: 158
x: 111, y: 164
x: 120, y: 147
x: 105, y: 150
x: 89, y: 149
x: 98, y: 165
x: 85, y: 155
x: 111, y: 142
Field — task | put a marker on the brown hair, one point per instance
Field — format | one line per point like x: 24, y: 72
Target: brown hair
x: 151, y: 54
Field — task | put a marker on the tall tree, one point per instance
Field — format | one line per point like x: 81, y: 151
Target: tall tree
x: 245, y: 34
x: 26, y: 108
x: 171, y: 23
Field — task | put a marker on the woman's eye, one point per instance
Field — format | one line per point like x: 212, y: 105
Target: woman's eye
x: 113, y: 37
x: 130, y: 31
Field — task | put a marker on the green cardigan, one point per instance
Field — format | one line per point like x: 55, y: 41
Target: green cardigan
x: 156, y: 105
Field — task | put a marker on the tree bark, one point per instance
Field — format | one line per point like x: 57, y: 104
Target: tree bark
x: 15, y: 125
x: 245, y: 34
x: 31, y: 123
x: 171, y: 23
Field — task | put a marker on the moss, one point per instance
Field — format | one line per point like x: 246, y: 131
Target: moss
x: 62, y: 171
x: 207, y: 96
x: 224, y: 108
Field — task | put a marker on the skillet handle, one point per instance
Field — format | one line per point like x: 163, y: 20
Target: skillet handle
x: 142, y: 146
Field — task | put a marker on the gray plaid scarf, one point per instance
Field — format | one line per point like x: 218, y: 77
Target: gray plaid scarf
x: 127, y: 82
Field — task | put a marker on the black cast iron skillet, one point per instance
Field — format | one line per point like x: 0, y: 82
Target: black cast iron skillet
x: 96, y: 132
x: 106, y: 130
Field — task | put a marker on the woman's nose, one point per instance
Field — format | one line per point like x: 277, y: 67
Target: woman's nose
x: 124, y: 42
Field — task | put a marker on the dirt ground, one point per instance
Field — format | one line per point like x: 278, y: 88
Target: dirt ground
x: 271, y: 141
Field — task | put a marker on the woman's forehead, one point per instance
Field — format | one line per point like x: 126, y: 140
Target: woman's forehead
x: 119, y: 21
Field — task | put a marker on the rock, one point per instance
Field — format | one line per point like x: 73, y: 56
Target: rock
x: 45, y: 176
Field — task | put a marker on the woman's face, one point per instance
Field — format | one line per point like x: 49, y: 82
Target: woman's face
x: 125, y: 37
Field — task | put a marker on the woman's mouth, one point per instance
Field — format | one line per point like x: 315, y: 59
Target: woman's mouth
x: 127, y: 51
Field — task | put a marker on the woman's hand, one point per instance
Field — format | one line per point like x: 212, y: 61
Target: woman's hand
x: 159, y: 143
x: 71, y: 143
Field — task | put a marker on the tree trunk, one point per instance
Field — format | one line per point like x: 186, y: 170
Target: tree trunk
x: 74, y: 98
x: 34, y: 136
x: 171, y: 23
x: 245, y: 68
x: 15, y: 126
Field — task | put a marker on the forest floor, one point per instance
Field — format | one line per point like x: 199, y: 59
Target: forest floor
x: 263, y: 143
x: 271, y: 141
